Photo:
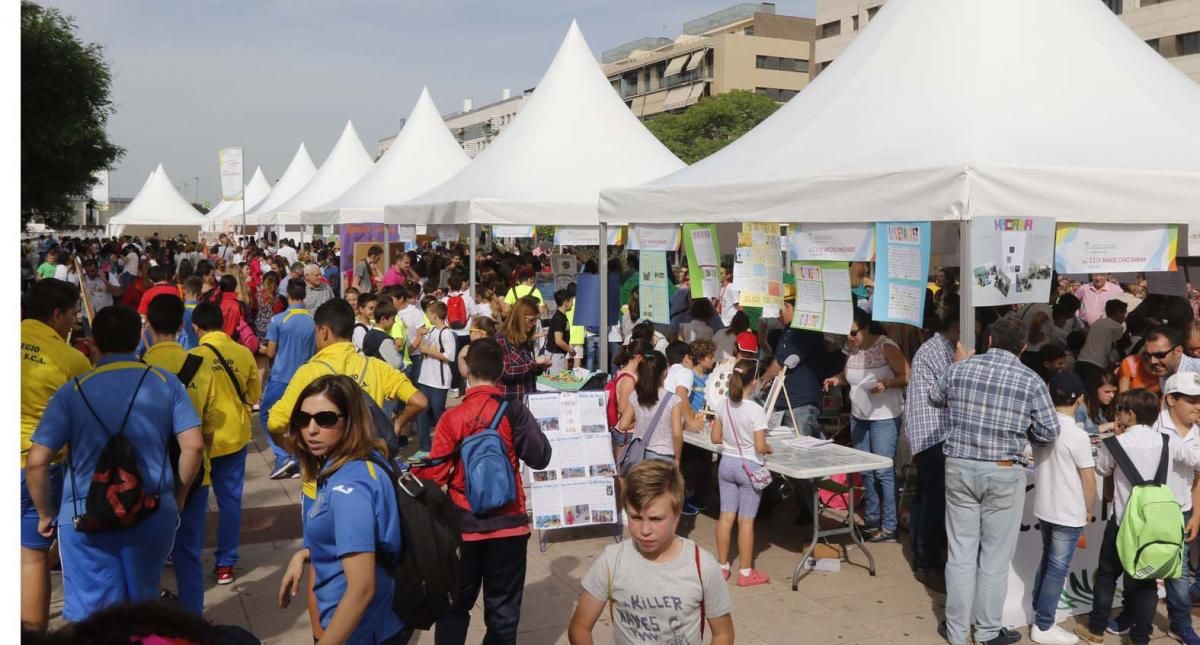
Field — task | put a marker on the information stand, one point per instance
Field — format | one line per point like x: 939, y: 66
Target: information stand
x: 578, y: 487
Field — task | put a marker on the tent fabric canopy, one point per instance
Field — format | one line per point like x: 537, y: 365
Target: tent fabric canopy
x: 346, y: 164
x: 573, y: 136
x: 936, y: 112
x: 299, y: 171
x: 254, y: 193
x: 159, y: 203
x: 423, y: 155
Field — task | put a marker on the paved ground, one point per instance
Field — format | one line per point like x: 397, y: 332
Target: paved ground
x: 843, y: 608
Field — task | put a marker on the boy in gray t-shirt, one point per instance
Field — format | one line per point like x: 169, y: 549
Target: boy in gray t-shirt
x: 661, y: 588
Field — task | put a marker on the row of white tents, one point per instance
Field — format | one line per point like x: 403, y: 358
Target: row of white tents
x: 942, y: 110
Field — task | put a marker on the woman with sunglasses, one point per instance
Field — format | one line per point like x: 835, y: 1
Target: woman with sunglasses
x: 877, y: 373
x: 353, y: 517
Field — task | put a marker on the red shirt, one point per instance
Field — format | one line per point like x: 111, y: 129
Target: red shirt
x: 153, y: 292
x: 231, y: 310
x: 133, y: 293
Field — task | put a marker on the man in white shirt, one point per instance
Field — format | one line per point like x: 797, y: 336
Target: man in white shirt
x: 101, y: 285
x: 1065, y: 491
x: 287, y: 251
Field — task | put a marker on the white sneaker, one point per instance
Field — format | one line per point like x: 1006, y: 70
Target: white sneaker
x: 1054, y: 636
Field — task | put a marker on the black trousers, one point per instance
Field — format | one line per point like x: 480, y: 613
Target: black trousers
x: 499, y: 567
x: 1104, y: 586
x: 928, y: 519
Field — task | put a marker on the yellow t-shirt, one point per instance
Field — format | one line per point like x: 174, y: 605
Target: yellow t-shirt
x: 170, y: 357
x: 380, y: 382
x: 47, y: 362
x: 577, y: 334
x: 520, y: 291
x: 231, y: 417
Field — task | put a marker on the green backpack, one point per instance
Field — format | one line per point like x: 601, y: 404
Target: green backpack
x: 1150, y: 540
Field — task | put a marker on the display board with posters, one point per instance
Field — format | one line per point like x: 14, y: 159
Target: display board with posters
x: 653, y: 294
x: 1115, y: 248
x: 704, y: 259
x: 758, y: 267
x: 823, y: 301
x: 901, y: 272
x: 577, y: 487
x: 1011, y: 259
x: 845, y: 242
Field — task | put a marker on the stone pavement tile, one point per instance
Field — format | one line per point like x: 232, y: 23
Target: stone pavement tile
x: 880, y: 602
x: 770, y: 607
x: 914, y: 628
x: 831, y: 628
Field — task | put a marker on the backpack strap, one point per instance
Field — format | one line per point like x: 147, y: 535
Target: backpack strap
x: 1164, y: 462
x: 1123, y: 461
x: 187, y: 372
x: 494, y: 425
x: 229, y: 371
x: 701, y: 576
x: 649, y: 432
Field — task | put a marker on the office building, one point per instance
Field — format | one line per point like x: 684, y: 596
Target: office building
x: 475, y: 128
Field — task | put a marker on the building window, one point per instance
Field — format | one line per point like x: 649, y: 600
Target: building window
x: 831, y: 29
x: 781, y: 63
x: 1188, y: 44
x: 1153, y: 44
x: 872, y: 11
x: 748, y: 31
x: 855, y: 18
x: 1117, y: 6
x: 776, y: 93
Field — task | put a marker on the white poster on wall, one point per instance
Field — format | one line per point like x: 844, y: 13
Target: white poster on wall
x: 654, y: 237
x: 1011, y: 259
x: 231, y: 172
x: 576, y: 488
x: 584, y: 235
x: 838, y: 242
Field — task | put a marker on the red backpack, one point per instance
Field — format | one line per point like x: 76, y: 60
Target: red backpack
x: 610, y: 389
x: 456, y: 311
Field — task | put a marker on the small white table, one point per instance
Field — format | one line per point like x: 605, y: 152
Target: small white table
x: 814, y: 465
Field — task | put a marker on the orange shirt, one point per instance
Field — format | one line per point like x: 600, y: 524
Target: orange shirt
x: 1139, y: 376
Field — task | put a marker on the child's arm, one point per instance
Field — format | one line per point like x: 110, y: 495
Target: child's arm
x: 722, y: 629
x: 587, y: 611
x: 677, y: 430
x: 560, y: 343
x: 760, y: 442
x: 1087, y: 476
x: 715, y: 433
x: 1193, y: 525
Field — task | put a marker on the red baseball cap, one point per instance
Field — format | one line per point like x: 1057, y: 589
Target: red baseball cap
x: 747, y: 342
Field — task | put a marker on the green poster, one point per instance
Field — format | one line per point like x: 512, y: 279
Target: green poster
x: 703, y: 256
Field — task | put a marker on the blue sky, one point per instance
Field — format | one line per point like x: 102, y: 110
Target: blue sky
x: 191, y: 77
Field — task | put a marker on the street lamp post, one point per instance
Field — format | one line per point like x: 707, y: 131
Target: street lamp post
x: 197, y: 189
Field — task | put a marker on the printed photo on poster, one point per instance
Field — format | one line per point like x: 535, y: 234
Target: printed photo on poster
x: 1012, y: 257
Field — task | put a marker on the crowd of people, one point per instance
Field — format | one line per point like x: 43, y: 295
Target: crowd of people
x: 178, y: 345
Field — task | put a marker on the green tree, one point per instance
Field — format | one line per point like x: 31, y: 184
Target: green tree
x: 65, y: 106
x: 711, y: 124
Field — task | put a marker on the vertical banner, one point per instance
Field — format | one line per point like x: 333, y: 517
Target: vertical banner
x: 1115, y: 248
x: 901, y: 272
x: 576, y: 487
x: 231, y: 173
x: 704, y: 265
x: 100, y: 188
x: 823, y: 300
x: 652, y: 294
x: 587, y: 300
x: 1012, y: 257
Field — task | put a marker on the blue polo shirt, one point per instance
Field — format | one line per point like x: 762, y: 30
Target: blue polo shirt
x: 187, y: 336
x: 355, y: 512
x: 294, y: 332
x: 162, y: 408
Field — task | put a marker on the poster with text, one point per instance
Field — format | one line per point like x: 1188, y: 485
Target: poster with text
x: 1011, y: 259
x: 1193, y: 240
x: 653, y: 296
x: 506, y: 230
x: 823, y: 300
x: 230, y: 160
x: 1115, y: 248
x: 901, y: 272
x: 758, y: 266
x: 704, y: 259
x: 585, y: 235
x: 654, y: 237
x: 576, y: 488
x: 844, y: 242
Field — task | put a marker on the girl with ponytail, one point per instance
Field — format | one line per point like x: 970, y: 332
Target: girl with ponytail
x: 741, y: 427
x: 628, y: 360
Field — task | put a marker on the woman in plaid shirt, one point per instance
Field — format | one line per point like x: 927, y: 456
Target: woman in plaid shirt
x: 516, y: 339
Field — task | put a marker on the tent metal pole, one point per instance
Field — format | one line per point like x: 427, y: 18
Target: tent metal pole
x: 966, y: 315
x: 474, y: 242
x: 603, y: 262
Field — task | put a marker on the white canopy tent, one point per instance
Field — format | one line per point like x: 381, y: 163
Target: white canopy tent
x: 954, y: 109
x: 422, y: 156
x: 951, y: 109
x: 157, y: 208
x: 297, y: 175
x: 230, y: 211
x: 345, y: 165
x: 573, y: 136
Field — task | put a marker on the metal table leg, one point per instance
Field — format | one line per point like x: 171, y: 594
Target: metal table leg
x: 848, y: 527
x: 857, y: 536
x: 816, y: 534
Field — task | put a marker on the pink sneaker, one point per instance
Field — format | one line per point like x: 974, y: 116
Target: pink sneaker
x: 725, y: 572
x: 756, y: 577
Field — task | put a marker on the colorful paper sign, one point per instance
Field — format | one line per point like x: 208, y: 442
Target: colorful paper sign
x: 653, y: 298
x: 1114, y: 248
x: 758, y: 266
x: 704, y: 259
x: 843, y: 242
x: 823, y: 301
x: 901, y: 272
x: 1011, y: 259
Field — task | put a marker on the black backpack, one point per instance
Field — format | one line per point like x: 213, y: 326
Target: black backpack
x: 116, y: 498
x: 426, y: 573
x: 186, y: 373
x: 379, y: 420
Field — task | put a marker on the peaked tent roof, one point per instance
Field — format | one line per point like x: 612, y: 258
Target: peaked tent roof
x: 572, y: 137
x: 935, y: 112
x: 254, y: 193
x: 159, y: 203
x: 422, y: 156
x: 299, y: 171
x: 346, y: 164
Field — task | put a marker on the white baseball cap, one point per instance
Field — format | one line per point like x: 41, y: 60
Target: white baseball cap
x: 1185, y: 383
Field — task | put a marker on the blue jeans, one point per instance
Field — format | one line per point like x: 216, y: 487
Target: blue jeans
x: 984, y: 501
x: 1058, y: 548
x: 878, y: 437
x: 591, y: 352
x: 271, y: 395
x: 806, y: 419
x: 228, y: 479
x: 428, y: 418
x: 189, y: 542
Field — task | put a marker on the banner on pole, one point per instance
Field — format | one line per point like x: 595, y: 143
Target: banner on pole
x: 231, y: 172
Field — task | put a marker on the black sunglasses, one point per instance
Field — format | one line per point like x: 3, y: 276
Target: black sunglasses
x: 324, y: 419
x: 1163, y: 354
